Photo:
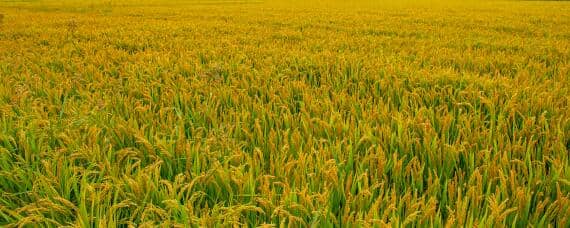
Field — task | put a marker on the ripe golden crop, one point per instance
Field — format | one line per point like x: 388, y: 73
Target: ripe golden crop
x: 301, y: 113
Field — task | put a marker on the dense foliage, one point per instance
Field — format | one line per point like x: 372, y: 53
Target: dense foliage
x: 292, y: 114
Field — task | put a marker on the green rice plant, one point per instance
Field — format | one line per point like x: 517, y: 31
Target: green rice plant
x: 297, y: 113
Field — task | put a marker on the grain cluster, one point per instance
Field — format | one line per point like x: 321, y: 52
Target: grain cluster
x: 242, y: 113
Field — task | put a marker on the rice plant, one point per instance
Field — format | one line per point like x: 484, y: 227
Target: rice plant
x: 298, y: 113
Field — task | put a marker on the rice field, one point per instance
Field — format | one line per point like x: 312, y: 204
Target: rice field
x: 284, y: 113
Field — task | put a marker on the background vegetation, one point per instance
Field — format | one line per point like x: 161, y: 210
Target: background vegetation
x: 202, y: 113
